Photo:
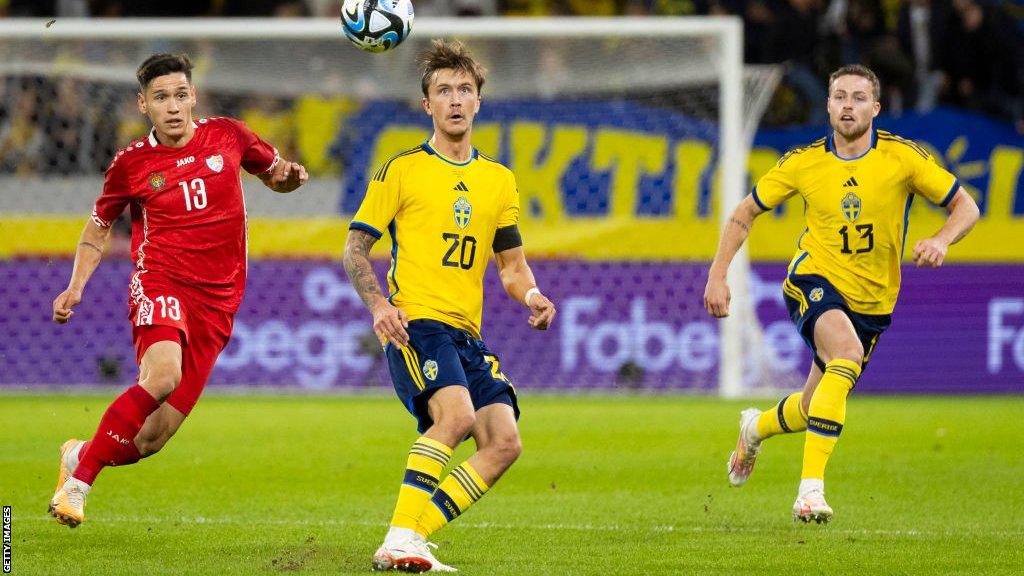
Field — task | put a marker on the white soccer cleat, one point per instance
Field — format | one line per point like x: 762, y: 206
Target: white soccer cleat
x: 811, y: 506
x: 741, y: 461
x: 438, y: 566
x: 412, y: 555
x: 68, y: 503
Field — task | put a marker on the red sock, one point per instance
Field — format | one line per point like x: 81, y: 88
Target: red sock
x: 114, y: 442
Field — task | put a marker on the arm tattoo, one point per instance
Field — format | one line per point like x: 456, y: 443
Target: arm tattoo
x: 742, y: 225
x: 357, y: 265
x: 91, y: 245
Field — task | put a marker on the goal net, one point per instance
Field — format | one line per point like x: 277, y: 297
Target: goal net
x: 628, y: 138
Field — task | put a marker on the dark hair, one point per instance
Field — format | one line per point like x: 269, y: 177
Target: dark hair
x: 162, y: 64
x: 449, y: 55
x: 857, y: 70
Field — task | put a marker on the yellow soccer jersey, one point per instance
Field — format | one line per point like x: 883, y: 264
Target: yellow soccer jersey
x: 442, y: 217
x: 856, y: 211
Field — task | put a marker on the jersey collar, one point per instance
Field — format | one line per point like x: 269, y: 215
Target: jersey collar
x: 152, y: 135
x: 430, y: 150
x: 831, y: 147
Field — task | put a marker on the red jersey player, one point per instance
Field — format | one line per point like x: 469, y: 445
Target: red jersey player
x: 189, y: 243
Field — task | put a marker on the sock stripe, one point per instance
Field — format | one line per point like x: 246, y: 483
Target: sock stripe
x: 445, y: 504
x: 849, y: 376
x: 420, y: 480
x: 823, y: 427
x: 467, y: 483
x: 843, y: 370
x: 442, y: 462
x: 430, y: 452
x: 428, y: 448
x: 782, y: 417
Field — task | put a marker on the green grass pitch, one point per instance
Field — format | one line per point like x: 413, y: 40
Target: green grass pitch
x: 606, y: 485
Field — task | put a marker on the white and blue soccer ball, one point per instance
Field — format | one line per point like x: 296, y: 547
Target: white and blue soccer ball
x: 376, y: 25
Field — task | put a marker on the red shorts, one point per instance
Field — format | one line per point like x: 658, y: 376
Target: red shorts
x: 161, y: 311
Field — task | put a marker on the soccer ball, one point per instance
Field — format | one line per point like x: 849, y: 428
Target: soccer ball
x: 376, y: 25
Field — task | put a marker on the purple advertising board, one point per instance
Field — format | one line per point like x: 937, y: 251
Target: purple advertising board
x: 621, y: 325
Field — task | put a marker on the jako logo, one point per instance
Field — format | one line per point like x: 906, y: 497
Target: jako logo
x: 186, y: 160
x: 118, y: 439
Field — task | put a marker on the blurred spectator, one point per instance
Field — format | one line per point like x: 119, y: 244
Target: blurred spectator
x: 272, y: 119
x: 922, y: 30
x: 20, y: 136
x: 985, y: 61
x: 430, y: 8
x: 860, y: 37
x: 792, y: 38
x: 67, y: 126
x: 31, y: 8
x: 147, y: 8
x: 256, y: 8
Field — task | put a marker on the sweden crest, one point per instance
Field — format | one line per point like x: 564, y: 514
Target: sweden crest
x: 851, y: 206
x: 430, y: 370
x: 463, y: 210
x: 817, y: 294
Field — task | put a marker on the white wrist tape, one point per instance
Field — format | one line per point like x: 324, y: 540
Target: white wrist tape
x: 529, y: 294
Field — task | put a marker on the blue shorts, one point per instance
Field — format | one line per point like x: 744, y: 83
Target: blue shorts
x: 809, y: 296
x: 439, y: 355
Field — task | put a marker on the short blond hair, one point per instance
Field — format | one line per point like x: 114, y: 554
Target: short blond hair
x: 449, y: 55
x: 858, y: 70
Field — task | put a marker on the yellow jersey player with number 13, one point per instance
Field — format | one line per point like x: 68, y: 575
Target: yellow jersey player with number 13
x: 857, y: 184
x: 447, y: 208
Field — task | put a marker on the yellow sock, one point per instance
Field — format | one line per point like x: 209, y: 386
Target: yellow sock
x: 427, y: 458
x: 787, y: 416
x: 827, y: 414
x: 460, y: 489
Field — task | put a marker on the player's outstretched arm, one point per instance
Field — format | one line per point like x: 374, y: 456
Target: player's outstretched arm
x: 284, y: 176
x: 389, y: 322
x: 963, y: 214
x: 716, y: 292
x: 517, y: 278
x: 87, y: 258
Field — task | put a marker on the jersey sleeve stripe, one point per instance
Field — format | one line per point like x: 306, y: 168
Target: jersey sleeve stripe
x: 757, y: 200
x: 796, y: 264
x: 383, y: 172
x: 363, y: 226
x: 798, y: 150
x: 393, y: 229
x: 906, y: 224
x: 952, y: 192
x: 913, y: 146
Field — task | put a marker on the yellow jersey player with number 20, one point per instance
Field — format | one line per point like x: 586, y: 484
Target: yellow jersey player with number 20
x: 448, y: 209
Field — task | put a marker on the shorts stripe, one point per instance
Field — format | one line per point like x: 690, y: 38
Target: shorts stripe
x: 871, y: 348
x: 795, y: 293
x: 416, y: 363
x: 414, y: 373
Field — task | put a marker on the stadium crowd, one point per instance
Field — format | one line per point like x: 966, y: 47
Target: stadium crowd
x: 964, y: 53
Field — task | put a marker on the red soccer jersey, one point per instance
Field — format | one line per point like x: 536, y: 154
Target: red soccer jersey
x: 187, y: 206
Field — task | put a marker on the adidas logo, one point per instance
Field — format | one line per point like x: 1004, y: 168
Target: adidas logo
x: 851, y: 182
x: 461, y: 187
